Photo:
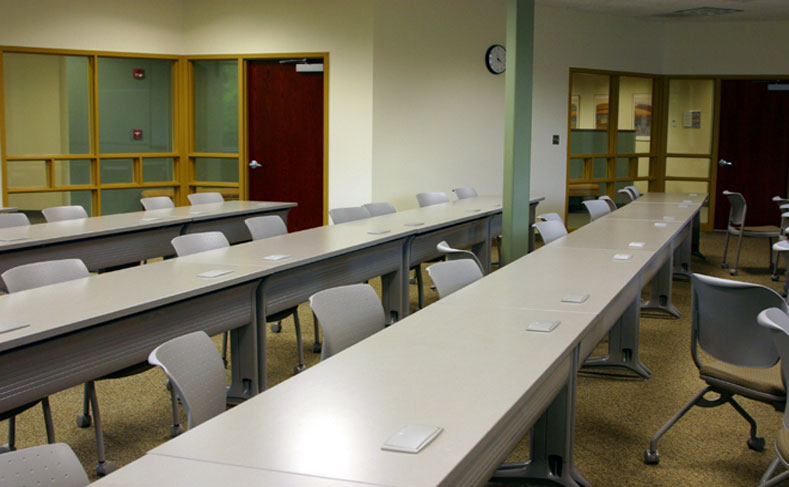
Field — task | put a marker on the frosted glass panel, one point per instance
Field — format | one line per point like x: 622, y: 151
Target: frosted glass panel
x: 135, y: 111
x: 157, y: 169
x: 643, y: 167
x: 72, y: 172
x: 117, y: 171
x: 27, y: 174
x: 215, y: 169
x: 47, y: 105
x: 576, y: 169
x: 39, y: 201
x: 599, y: 168
x: 124, y: 200
x: 216, y: 105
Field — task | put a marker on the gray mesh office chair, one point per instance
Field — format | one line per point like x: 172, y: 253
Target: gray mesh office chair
x: 551, y: 230
x: 457, y: 254
x: 463, y: 193
x: 156, y: 203
x: 596, y: 208
x: 37, y: 274
x: 607, y: 199
x: 743, y: 356
x: 8, y: 220
x: 429, y: 199
x: 627, y: 194
x: 776, y: 320
x: 196, y: 374
x: 54, y: 465
x: 452, y: 275
x: 348, y: 214
x: 60, y: 213
x: 549, y: 216
x: 261, y: 227
x: 347, y: 315
x: 379, y: 208
x: 203, y: 198
x: 736, y: 227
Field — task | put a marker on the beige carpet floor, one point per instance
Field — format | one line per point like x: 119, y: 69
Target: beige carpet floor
x: 616, y: 414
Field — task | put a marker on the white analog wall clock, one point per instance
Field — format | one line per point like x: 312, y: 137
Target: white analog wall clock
x: 496, y: 59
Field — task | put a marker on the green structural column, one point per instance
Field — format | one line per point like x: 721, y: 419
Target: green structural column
x: 517, y: 130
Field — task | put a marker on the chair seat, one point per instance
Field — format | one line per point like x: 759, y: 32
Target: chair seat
x: 763, y: 231
x: 781, y: 246
x: 765, y: 381
x: 782, y: 443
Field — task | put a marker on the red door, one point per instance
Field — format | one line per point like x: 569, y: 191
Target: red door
x: 285, y: 127
x: 754, y: 138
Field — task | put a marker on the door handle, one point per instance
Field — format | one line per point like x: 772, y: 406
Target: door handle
x: 724, y: 162
x: 254, y: 164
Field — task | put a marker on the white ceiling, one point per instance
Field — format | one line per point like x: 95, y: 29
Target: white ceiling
x: 656, y: 9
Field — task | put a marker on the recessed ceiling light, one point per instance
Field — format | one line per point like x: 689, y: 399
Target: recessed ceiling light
x: 702, y: 12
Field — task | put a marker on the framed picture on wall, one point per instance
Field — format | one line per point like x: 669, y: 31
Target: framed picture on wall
x: 642, y: 115
x: 575, y: 104
x: 601, y: 112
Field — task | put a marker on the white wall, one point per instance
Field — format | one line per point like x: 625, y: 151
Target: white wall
x: 438, y: 116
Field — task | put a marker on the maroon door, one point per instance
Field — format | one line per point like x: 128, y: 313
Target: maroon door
x: 285, y: 123
x: 754, y: 138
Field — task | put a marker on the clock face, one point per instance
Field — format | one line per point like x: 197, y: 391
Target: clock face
x: 496, y: 59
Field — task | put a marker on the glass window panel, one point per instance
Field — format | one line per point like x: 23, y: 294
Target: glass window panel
x: 158, y: 169
x: 216, y: 105
x: 127, y: 200
x: 129, y: 102
x: 635, y: 115
x: 599, y: 168
x: 27, y: 174
x: 39, y: 201
x: 576, y: 170
x: 589, y: 113
x: 622, y: 169
x: 115, y: 171
x: 643, y: 167
x: 690, y: 116
x: 216, y: 169
x: 642, y: 186
x: 72, y: 172
x: 687, y: 167
x: 47, y: 104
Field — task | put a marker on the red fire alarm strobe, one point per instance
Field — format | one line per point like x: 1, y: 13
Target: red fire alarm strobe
x: 136, y: 134
x: 138, y: 73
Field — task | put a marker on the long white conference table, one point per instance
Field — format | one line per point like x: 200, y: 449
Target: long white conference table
x: 466, y: 364
x: 110, y: 321
x: 125, y: 238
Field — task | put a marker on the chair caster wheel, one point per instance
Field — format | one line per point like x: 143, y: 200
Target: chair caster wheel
x: 651, y: 457
x: 756, y: 443
x: 733, y: 272
x: 105, y: 467
x: 298, y: 369
x: 83, y: 420
x: 783, y: 294
x: 175, y: 431
x: 774, y: 277
x: 316, y: 348
x: 724, y: 266
x: 276, y: 327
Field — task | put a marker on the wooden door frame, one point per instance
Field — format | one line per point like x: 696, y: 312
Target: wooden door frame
x: 244, y: 120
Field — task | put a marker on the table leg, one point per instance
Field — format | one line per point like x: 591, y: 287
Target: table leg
x: 552, y: 438
x: 623, y: 344
x: 393, y: 287
x: 695, y: 249
x: 483, y: 249
x: 261, y: 335
x: 682, y: 255
x: 532, y: 219
x: 660, y: 290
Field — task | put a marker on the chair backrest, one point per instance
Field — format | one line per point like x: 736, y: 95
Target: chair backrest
x: 379, y: 208
x: 60, y: 213
x: 776, y: 320
x: 607, y: 199
x: 456, y: 254
x: 203, y: 198
x: 52, y: 464
x: 463, y: 193
x: 157, y: 202
x: 550, y: 216
x: 627, y: 194
x: 192, y: 243
x: 724, y: 321
x: 37, y: 274
x: 261, y: 227
x: 347, y: 315
x: 348, y: 214
x: 551, y: 230
x: 635, y: 191
x: 737, y: 208
x: 596, y: 208
x: 428, y: 199
x: 452, y: 275
x: 196, y: 371
x: 13, y: 220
